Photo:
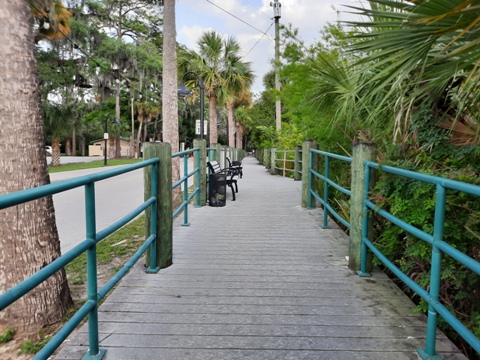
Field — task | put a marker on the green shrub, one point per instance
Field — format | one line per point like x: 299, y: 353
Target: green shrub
x: 414, y: 202
x: 7, y: 336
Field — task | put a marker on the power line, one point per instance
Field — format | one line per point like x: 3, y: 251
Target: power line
x: 249, y: 51
x: 243, y: 21
x: 259, y: 10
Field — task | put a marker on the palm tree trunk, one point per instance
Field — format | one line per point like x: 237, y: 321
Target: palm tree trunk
x: 231, y: 125
x: 117, y: 154
x: 213, y: 119
x: 239, y: 136
x: 28, y: 233
x: 55, y: 151
x: 74, y: 142
x: 68, y: 147
x: 169, y: 90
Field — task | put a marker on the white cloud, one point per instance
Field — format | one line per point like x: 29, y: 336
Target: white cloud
x: 309, y: 16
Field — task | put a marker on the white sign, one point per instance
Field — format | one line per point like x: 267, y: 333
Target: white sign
x: 105, y: 136
x: 197, y: 127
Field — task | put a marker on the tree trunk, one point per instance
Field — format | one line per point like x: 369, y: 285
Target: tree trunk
x: 55, y: 151
x: 28, y: 234
x: 111, y: 147
x: 82, y: 146
x: 139, y: 133
x: 117, y: 149
x: 74, y: 142
x: 239, y: 136
x: 169, y: 90
x: 132, y: 135
x: 68, y: 145
x: 213, y: 119
x: 231, y: 125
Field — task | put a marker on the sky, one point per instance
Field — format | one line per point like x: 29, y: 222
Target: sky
x: 193, y: 17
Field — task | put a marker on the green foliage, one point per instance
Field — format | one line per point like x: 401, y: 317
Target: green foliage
x: 414, y: 203
x: 7, y: 336
x: 32, y: 347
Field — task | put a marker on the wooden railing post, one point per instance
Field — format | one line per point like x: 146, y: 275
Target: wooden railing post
x: 202, y: 163
x: 273, y: 160
x: 361, y: 152
x: 164, y: 205
x: 220, y: 156
x: 266, y: 158
x: 297, y: 170
x: 306, y: 177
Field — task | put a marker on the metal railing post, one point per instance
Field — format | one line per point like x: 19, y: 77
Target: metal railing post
x: 94, y: 351
x: 153, y: 268
x: 185, y: 191
x: 325, y: 192
x: 435, y: 274
x: 307, y: 181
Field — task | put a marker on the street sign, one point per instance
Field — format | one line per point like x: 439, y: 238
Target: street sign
x: 197, y: 127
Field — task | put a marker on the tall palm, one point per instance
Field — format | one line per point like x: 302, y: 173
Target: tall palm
x: 216, y: 63
x: 426, y: 50
x: 238, y: 78
x: 240, y: 98
x: 28, y: 234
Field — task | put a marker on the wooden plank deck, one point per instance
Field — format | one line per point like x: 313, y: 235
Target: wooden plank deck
x: 258, y: 279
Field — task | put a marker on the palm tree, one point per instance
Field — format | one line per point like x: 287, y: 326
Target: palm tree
x: 242, y: 98
x: 423, y: 52
x: 169, y: 89
x: 216, y: 63
x: 28, y: 234
x: 238, y: 78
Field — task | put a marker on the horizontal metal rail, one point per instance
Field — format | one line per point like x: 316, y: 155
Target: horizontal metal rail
x: 326, y: 182
x: 439, y: 247
x: 90, y: 308
x: 184, y: 180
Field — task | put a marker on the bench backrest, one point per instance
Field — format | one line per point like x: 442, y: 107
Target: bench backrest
x: 214, y: 166
x: 233, y: 163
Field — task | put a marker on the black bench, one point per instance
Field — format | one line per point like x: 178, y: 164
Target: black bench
x: 231, y: 175
x: 235, y: 164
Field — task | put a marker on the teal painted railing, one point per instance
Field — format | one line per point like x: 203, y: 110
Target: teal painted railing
x: 439, y: 247
x: 184, y: 180
x: 327, y: 208
x: 90, y: 308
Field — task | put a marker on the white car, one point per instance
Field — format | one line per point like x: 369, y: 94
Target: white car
x: 48, y: 149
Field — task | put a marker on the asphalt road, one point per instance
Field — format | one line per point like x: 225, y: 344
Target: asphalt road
x: 114, y: 198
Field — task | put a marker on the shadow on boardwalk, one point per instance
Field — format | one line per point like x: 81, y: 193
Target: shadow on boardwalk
x: 258, y: 279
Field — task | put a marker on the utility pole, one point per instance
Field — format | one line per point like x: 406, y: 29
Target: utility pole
x: 278, y: 106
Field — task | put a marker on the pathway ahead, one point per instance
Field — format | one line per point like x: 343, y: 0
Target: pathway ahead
x: 258, y: 279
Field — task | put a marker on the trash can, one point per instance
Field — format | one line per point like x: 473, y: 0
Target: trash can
x: 217, y: 189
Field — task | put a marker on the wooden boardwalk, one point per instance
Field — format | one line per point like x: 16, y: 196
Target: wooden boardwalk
x: 258, y: 279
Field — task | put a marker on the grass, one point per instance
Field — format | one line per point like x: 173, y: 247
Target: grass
x: 91, y: 165
x: 113, y: 252
x: 7, y: 336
